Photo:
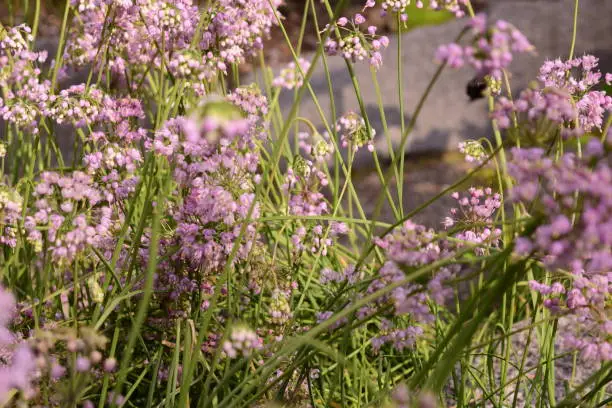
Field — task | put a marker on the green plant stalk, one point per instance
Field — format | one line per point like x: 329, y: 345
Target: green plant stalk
x: 332, y: 103
x: 400, y: 91
x: 320, y: 111
x: 370, y: 246
x: 383, y: 178
x: 321, y: 114
x: 60, y: 46
x: 349, y: 310
x: 574, y: 29
x: 148, y: 286
x: 464, y: 328
x: 383, y: 119
x: 36, y: 19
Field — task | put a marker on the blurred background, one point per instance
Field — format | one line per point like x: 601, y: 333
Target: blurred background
x: 449, y: 115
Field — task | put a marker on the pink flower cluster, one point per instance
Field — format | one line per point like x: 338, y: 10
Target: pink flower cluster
x: 302, y: 187
x: 69, y: 216
x: 347, y: 40
x: 239, y: 26
x: 533, y: 106
x: 475, y: 213
x: 77, y: 104
x: 50, y: 356
x: 18, y: 368
x: 354, y: 133
x: 490, y: 50
x: 576, y: 76
x: 564, y: 97
x: 454, y: 6
x: 473, y: 150
x: 400, y: 339
x: 215, y: 165
x: 317, y: 146
x: 153, y: 32
x: 399, y: 6
x: 574, y: 238
x: 567, y: 241
x: 250, y: 100
x: 216, y: 170
x: 25, y: 97
x: 412, y: 246
x: 241, y: 342
x: 293, y: 75
x: 11, y: 204
x: 133, y: 38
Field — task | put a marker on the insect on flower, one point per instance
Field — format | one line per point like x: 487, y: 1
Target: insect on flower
x: 476, y: 88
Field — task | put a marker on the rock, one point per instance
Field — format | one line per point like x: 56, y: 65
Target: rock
x: 448, y: 116
x: 424, y: 177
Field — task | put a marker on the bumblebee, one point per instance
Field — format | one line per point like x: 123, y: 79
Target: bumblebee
x: 476, y: 87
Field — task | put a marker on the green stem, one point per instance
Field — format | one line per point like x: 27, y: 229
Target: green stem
x: 574, y: 29
x: 60, y: 46
x: 400, y: 91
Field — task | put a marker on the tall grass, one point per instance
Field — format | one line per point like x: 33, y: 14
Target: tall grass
x: 476, y: 351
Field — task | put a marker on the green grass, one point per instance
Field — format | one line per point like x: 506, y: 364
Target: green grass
x: 466, y: 354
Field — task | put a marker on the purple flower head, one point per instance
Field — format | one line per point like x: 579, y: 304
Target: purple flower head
x: 350, y: 42
x: 242, y: 342
x: 490, y: 51
x: 292, y: 76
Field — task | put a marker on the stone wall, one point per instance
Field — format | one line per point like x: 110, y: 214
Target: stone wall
x: 449, y: 116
